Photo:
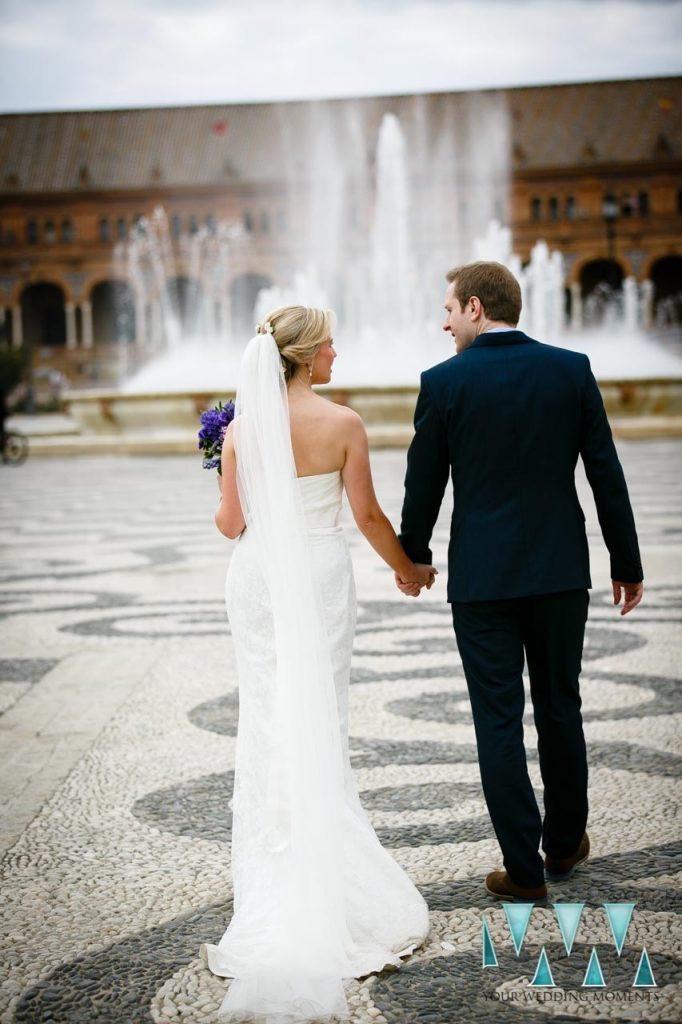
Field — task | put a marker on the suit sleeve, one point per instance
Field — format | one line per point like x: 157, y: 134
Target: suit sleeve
x: 607, y: 480
x: 428, y: 464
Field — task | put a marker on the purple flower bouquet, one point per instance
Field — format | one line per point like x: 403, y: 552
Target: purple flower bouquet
x: 214, y: 423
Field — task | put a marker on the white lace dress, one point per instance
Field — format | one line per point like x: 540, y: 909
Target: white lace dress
x: 386, y: 916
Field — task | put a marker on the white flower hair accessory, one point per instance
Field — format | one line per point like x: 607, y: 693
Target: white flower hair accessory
x: 265, y: 328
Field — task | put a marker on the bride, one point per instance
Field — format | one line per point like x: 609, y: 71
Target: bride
x: 317, y: 899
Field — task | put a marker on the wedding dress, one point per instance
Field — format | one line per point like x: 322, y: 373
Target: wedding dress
x: 317, y: 899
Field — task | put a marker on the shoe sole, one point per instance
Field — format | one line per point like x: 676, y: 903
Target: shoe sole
x: 552, y: 876
x: 541, y: 900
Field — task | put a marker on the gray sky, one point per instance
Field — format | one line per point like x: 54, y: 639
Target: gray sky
x: 84, y: 54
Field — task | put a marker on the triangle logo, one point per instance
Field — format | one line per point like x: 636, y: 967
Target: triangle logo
x: 518, y: 916
x: 645, y: 976
x: 593, y: 975
x: 619, y: 916
x: 568, y: 915
x: 489, y: 956
x: 543, y: 973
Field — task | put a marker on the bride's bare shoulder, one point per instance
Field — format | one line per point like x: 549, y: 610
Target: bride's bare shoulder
x: 345, y: 419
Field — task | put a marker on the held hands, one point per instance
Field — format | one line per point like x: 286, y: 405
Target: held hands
x: 419, y: 576
x: 633, y: 594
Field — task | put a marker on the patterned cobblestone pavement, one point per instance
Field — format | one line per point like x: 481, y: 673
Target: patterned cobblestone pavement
x: 118, y: 712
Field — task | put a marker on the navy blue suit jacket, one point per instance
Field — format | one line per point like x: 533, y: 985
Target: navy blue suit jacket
x: 507, y: 419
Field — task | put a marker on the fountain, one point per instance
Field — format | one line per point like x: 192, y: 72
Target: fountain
x: 376, y: 229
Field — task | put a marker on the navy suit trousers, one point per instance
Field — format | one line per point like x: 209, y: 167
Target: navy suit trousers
x: 492, y: 637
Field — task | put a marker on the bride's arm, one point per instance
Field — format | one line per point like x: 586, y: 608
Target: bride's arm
x: 229, y: 517
x: 368, y: 514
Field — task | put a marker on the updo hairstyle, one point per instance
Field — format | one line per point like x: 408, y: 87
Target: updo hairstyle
x: 298, y: 332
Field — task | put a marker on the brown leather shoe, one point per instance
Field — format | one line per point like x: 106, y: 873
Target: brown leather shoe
x: 559, y: 868
x: 499, y: 884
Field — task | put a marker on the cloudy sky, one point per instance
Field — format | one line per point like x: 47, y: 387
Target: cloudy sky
x: 83, y: 54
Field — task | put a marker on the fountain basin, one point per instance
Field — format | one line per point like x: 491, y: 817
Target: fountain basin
x: 109, y: 421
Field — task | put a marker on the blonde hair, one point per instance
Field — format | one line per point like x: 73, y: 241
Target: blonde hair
x: 298, y: 332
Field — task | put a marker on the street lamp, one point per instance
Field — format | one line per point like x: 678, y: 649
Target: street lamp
x: 610, y: 212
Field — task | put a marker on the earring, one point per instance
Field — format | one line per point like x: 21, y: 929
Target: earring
x: 310, y: 373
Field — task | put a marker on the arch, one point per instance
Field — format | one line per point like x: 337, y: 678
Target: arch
x: 666, y: 274
x: 243, y: 295
x: 577, y: 267
x: 43, y: 315
x: 601, y: 271
x: 113, y: 311
x: 100, y: 277
x: 601, y: 283
x: 48, y: 275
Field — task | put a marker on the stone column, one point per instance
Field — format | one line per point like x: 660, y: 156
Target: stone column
x: 17, y: 327
x: 86, y: 321
x: 576, y: 306
x: 70, y: 310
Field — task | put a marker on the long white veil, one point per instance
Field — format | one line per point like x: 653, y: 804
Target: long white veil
x: 290, y: 926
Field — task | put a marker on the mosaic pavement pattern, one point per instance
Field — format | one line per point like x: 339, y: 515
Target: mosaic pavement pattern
x: 118, y: 715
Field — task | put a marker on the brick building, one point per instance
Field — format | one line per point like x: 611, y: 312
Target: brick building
x: 594, y: 169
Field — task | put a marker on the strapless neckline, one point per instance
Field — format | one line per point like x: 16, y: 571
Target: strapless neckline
x: 314, y: 476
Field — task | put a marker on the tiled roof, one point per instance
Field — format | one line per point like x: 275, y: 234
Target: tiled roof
x: 550, y: 126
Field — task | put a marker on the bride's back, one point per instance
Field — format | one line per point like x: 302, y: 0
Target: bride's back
x: 319, y: 432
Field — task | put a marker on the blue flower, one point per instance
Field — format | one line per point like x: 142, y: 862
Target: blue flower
x: 214, y: 423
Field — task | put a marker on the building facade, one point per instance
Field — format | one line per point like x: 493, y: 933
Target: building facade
x: 593, y: 169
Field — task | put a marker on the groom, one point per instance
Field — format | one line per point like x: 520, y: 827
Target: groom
x: 506, y: 418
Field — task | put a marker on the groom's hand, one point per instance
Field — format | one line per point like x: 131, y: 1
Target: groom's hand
x: 412, y: 583
x: 633, y: 594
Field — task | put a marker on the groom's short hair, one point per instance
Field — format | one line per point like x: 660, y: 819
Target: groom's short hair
x: 492, y: 283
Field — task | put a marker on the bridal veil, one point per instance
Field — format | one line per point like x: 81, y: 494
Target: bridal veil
x: 288, y: 934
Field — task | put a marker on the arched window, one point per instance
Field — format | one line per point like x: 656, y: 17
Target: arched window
x: 553, y: 208
x: 643, y: 203
x: 536, y: 209
x: 248, y: 221
x: 104, y: 230
x: 121, y: 229
x: 570, y: 208
x: 193, y: 224
x: 211, y: 224
x: 176, y: 225
x: 31, y: 232
x: 67, y: 230
x: 50, y: 233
